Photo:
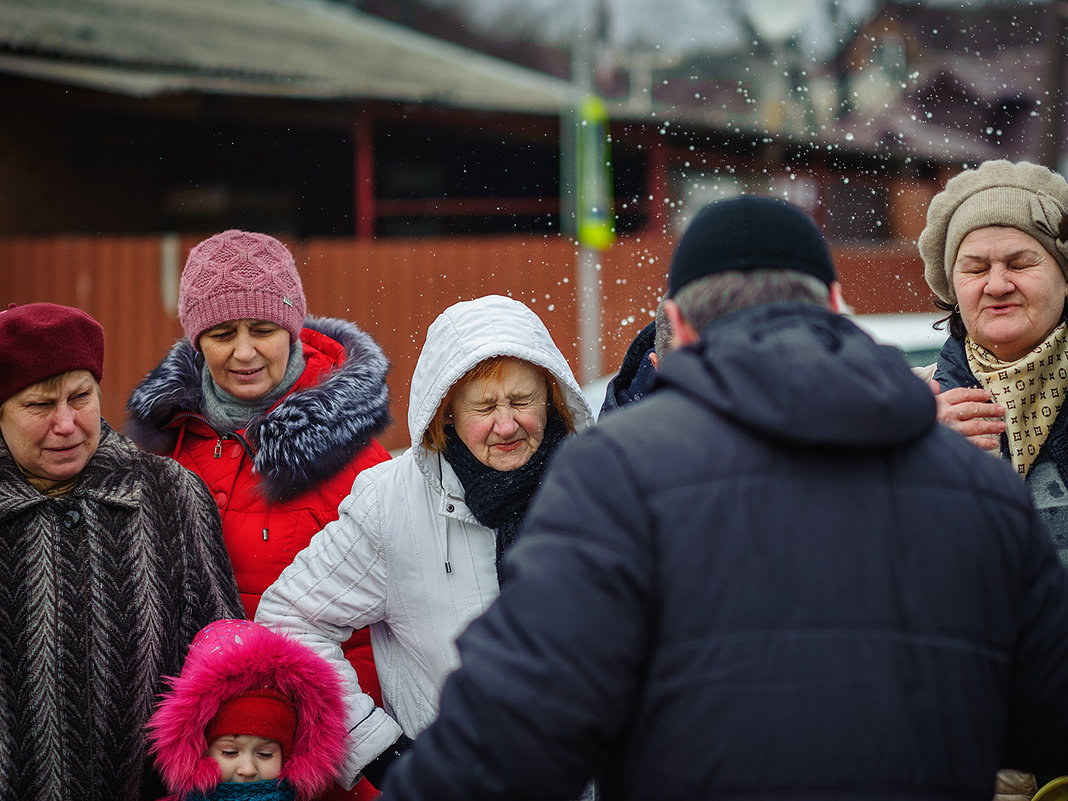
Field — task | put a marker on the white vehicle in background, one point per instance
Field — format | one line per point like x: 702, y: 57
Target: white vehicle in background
x: 595, y: 392
x: 912, y: 333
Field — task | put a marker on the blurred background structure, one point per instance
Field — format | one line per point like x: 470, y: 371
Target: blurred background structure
x: 410, y: 152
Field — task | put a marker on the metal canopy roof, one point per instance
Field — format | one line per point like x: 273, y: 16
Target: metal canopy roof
x: 283, y: 48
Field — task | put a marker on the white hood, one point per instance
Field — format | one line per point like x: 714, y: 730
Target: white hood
x: 469, y: 332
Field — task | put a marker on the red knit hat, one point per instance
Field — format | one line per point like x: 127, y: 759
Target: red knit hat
x: 238, y: 275
x: 40, y: 340
x: 260, y: 713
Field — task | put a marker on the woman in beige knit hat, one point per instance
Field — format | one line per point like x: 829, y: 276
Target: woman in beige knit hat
x: 996, y: 256
x: 995, y: 252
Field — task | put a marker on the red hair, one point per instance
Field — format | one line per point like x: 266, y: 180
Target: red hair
x: 434, y: 436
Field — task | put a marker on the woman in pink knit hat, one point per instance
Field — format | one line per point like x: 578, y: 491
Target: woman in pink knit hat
x: 275, y: 410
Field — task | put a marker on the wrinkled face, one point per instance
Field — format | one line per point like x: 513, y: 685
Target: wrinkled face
x: 501, y: 419
x: 247, y: 358
x: 53, y: 432
x: 1011, y: 291
x: 246, y: 758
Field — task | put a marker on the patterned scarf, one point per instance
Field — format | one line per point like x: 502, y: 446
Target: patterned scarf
x: 1031, y: 389
x: 499, y: 499
x: 227, y: 413
x: 270, y: 790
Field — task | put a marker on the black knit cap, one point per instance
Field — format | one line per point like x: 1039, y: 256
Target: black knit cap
x: 749, y: 233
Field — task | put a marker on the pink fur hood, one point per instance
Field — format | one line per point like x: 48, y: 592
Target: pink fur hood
x: 230, y: 657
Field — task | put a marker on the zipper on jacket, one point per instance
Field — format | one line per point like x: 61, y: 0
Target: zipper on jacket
x: 222, y: 435
x: 441, y: 483
x: 448, y: 564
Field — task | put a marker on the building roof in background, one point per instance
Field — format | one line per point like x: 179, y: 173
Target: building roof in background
x: 282, y: 48
x: 969, y: 82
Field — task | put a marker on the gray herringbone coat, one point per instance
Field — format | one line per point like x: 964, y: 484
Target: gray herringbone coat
x: 101, y: 591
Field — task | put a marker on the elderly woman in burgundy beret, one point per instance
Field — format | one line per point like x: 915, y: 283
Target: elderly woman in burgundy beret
x: 112, y: 561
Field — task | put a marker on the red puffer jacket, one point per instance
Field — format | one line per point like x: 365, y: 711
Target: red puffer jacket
x: 280, y: 480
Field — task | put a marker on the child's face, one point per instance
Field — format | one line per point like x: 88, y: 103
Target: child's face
x: 246, y: 758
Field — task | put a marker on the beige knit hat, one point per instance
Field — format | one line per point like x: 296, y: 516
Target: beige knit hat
x: 1025, y: 196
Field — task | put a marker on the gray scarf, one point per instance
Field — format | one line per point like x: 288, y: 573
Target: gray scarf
x: 227, y: 413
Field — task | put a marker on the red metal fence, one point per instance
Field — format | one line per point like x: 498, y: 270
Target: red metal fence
x: 392, y: 289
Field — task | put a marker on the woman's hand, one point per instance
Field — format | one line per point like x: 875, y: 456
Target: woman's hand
x: 970, y: 412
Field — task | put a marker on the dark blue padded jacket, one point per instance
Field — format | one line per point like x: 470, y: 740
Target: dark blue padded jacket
x: 775, y: 577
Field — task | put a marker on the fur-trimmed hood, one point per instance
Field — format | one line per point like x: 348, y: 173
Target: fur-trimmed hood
x: 231, y: 657
x: 307, y: 438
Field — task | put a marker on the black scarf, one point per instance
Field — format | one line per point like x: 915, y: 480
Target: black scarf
x: 497, y: 499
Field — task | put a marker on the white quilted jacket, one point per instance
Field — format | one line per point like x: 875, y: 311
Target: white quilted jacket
x: 383, y: 562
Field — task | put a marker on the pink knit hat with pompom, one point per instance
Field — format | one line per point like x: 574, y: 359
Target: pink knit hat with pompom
x: 238, y: 275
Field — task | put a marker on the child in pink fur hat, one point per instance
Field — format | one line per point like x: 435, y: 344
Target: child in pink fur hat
x: 254, y: 716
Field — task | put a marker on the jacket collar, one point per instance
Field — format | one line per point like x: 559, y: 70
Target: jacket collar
x: 313, y: 433
x: 952, y: 368
x: 106, y: 478
x: 634, y: 376
x: 804, y: 376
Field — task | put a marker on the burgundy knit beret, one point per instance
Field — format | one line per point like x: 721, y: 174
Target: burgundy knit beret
x: 40, y: 340
x: 238, y: 275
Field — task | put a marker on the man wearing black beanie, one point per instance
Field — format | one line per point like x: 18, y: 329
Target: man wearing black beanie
x: 750, y: 233
x: 776, y: 576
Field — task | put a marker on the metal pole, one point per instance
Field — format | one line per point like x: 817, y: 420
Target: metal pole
x: 588, y: 276
x: 589, y: 279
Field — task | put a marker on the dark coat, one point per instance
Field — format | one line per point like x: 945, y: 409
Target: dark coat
x: 635, y: 375
x: 774, y: 577
x: 101, y: 592
x: 1048, y: 487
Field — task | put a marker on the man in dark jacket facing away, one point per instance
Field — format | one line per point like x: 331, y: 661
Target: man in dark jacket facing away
x: 775, y: 576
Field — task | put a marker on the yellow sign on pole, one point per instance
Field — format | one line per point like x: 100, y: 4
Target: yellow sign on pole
x: 595, y: 222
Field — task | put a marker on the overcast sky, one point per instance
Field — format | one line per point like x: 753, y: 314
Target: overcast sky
x: 674, y: 26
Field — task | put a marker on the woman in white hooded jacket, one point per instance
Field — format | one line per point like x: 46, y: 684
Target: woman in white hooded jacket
x: 416, y: 550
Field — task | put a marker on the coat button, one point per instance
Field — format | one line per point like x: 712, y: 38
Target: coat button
x: 71, y: 518
x: 220, y: 499
x: 450, y: 508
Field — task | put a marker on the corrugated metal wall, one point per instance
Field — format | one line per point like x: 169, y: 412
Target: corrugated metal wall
x: 393, y: 289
